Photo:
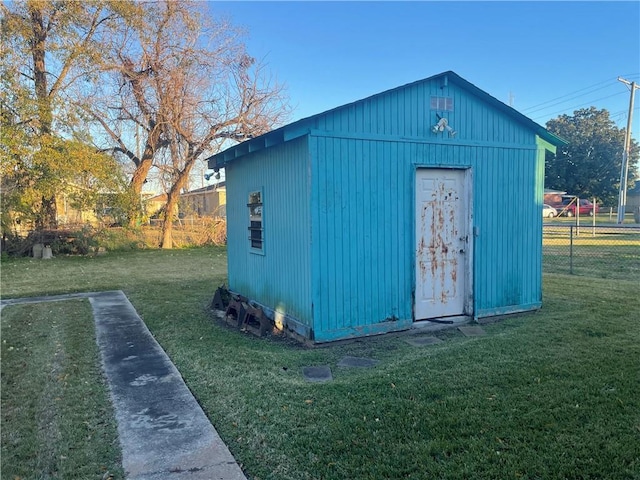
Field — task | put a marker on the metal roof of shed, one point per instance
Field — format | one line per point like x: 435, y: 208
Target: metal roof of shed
x: 301, y: 127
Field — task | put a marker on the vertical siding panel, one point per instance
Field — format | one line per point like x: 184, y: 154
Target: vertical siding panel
x: 508, y: 285
x: 342, y: 236
x: 403, y: 221
x: 351, y: 260
x: 390, y: 202
x: 395, y: 227
x: 490, y: 228
x: 387, y: 114
x: 366, y: 117
x: 329, y: 260
x: 333, y: 238
x: 361, y: 212
x: 487, y: 228
x: 381, y: 258
x: 361, y: 219
x: 378, y: 258
x: 483, y: 251
x: 410, y: 108
x: 328, y: 304
x: 367, y: 205
x: 421, y: 110
x: 320, y: 309
x: 354, y: 114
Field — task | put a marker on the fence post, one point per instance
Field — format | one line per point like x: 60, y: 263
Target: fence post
x: 593, y: 206
x: 571, y: 249
x: 577, y: 216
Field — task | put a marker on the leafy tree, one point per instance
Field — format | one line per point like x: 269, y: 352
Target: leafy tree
x: 49, y: 51
x: 589, y: 166
x: 51, y: 167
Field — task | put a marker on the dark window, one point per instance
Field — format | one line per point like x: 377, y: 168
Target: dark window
x: 256, y: 238
x: 442, y: 103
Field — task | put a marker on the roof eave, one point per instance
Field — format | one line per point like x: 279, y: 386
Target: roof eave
x: 512, y: 112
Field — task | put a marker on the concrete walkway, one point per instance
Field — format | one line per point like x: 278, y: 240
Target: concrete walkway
x: 163, y: 431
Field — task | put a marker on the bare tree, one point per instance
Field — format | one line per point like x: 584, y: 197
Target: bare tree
x: 244, y: 106
x: 186, y: 85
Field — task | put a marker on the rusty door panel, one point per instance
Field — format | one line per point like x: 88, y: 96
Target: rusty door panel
x: 441, y: 243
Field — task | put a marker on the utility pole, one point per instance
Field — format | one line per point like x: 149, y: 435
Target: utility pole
x: 624, y: 170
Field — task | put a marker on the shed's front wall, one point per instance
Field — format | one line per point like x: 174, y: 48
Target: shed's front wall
x: 364, y: 160
x: 363, y: 230
x: 279, y: 276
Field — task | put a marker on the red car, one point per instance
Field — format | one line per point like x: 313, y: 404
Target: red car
x: 569, y: 205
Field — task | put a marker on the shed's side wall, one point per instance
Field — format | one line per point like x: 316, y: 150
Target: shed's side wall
x: 279, y: 278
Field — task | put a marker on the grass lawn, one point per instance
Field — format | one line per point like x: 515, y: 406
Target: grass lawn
x: 57, y: 420
x: 554, y: 394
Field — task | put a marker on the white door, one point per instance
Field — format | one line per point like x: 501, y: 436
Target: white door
x: 441, y: 243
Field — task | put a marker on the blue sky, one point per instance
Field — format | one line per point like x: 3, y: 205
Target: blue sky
x: 332, y: 53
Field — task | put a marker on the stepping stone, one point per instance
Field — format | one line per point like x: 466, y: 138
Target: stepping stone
x: 358, y: 362
x: 421, y: 341
x: 317, y: 374
x: 472, y: 331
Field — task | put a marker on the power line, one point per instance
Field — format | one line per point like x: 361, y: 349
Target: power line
x: 611, y: 81
x: 576, y: 106
x: 540, y: 105
x: 622, y: 114
x: 567, y: 99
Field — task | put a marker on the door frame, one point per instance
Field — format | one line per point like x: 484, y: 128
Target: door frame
x: 472, y: 233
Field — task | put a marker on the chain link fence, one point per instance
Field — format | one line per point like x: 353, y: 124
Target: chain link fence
x: 599, y: 251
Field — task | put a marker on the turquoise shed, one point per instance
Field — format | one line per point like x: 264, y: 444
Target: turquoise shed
x: 421, y: 203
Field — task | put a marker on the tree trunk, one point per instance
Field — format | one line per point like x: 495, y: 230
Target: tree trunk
x: 137, y: 181
x: 38, y: 48
x: 49, y: 209
x: 173, y: 197
x: 47, y: 219
x: 167, y: 225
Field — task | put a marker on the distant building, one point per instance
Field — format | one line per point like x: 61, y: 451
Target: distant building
x: 633, y: 198
x: 153, y: 205
x: 209, y: 201
x: 553, y: 197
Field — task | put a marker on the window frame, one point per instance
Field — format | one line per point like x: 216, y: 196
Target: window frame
x: 251, y: 228
x: 441, y: 103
